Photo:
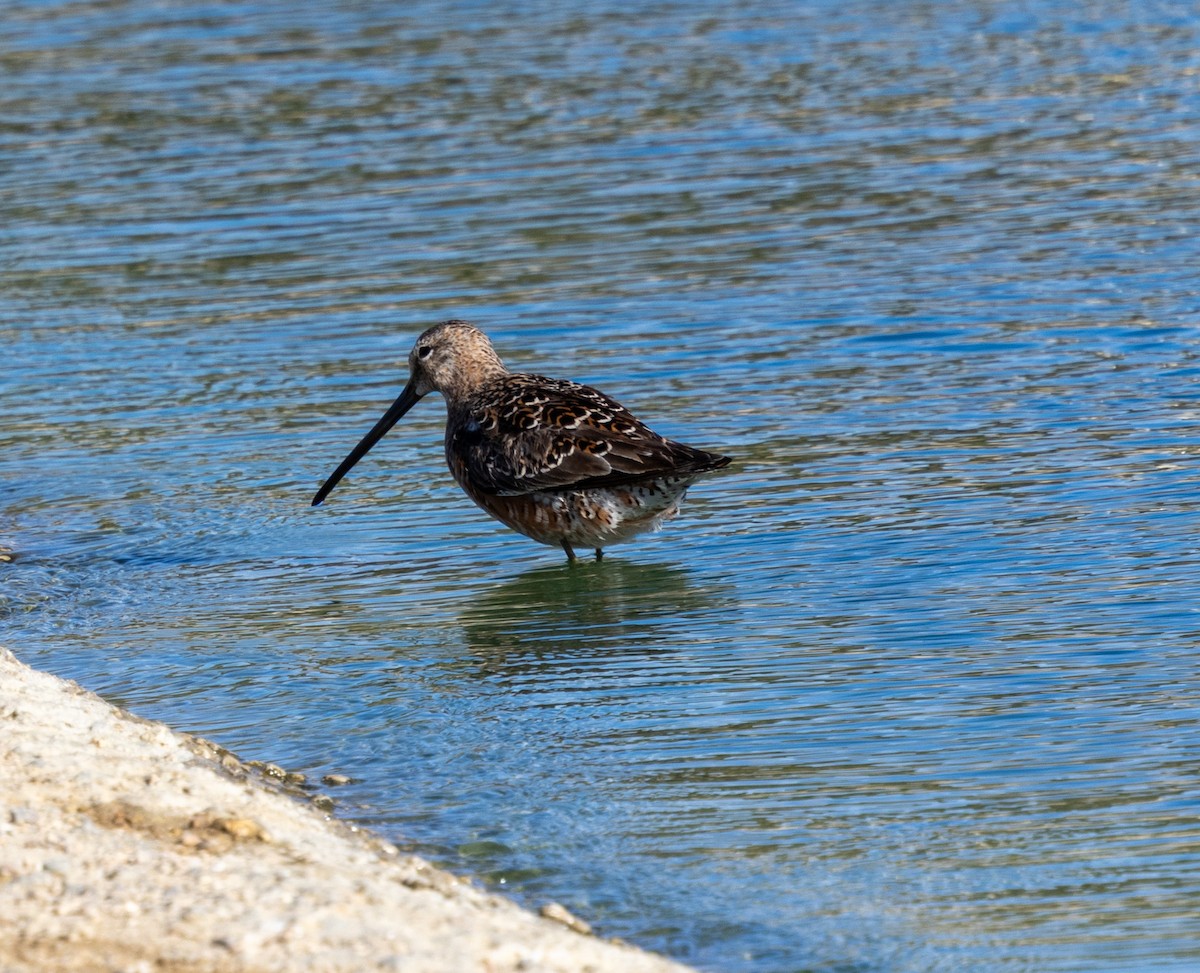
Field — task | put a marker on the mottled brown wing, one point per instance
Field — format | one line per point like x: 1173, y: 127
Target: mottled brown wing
x: 534, y: 434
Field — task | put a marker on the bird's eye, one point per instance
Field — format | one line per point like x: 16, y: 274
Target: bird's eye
x: 424, y: 351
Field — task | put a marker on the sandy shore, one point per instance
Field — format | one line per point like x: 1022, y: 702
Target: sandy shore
x: 125, y: 846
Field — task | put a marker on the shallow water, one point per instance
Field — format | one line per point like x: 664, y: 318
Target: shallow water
x: 911, y: 687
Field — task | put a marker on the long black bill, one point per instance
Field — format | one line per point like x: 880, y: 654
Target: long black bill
x: 408, y: 398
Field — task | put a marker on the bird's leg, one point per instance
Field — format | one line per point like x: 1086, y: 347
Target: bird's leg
x: 599, y: 554
x: 566, y: 546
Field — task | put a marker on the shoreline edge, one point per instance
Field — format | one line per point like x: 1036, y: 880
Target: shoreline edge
x: 127, y: 846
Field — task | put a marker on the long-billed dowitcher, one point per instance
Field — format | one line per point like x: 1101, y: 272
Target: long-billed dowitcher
x: 559, y: 462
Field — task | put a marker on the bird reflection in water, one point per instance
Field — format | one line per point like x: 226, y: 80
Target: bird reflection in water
x: 593, y: 616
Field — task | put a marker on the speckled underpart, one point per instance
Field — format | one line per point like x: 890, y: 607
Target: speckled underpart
x: 559, y: 462
x: 584, y: 518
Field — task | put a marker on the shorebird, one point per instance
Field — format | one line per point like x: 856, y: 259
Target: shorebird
x: 559, y: 462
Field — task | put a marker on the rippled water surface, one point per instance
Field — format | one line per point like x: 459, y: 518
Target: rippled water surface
x: 911, y: 687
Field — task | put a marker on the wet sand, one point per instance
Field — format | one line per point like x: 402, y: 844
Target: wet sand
x: 125, y: 846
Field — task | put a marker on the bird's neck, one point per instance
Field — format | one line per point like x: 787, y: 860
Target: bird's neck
x: 474, y: 376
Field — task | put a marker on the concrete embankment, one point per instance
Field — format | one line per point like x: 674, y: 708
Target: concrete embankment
x: 125, y: 846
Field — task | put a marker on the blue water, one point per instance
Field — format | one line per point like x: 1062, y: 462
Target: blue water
x: 911, y: 687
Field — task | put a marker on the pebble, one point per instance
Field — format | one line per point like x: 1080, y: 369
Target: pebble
x: 561, y: 914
